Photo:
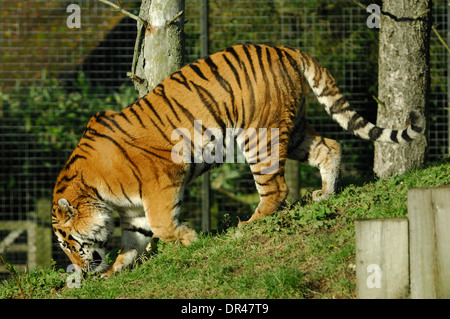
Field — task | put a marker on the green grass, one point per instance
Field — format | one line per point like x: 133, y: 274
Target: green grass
x: 303, y: 251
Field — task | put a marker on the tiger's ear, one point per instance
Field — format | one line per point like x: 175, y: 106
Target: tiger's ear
x: 66, y: 210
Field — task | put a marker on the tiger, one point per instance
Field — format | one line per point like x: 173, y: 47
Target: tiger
x: 124, y: 161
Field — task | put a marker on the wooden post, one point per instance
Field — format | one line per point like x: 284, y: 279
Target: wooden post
x: 206, y: 184
x: 40, y: 235
x: 382, y: 260
x: 429, y: 225
x: 292, y: 177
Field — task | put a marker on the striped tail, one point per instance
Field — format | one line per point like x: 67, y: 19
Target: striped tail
x: 329, y: 95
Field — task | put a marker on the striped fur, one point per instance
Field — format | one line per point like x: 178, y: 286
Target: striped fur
x: 124, y: 159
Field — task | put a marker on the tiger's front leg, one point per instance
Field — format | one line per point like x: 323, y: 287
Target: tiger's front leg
x: 136, y: 237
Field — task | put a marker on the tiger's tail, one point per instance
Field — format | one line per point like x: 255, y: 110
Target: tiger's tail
x: 330, y: 97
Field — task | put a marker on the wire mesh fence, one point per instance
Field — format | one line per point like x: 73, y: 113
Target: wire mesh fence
x: 54, y: 78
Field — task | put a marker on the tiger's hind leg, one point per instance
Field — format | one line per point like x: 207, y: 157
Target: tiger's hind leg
x: 268, y: 172
x: 323, y: 153
x: 272, y: 192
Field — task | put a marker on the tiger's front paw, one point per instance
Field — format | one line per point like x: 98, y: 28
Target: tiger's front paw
x: 187, y: 236
x: 107, y: 274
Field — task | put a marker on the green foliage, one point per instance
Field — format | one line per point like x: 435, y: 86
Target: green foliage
x: 55, y: 116
x: 37, y: 283
x: 43, y: 123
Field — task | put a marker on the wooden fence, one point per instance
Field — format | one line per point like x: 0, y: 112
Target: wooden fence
x: 38, y: 246
x: 407, y: 257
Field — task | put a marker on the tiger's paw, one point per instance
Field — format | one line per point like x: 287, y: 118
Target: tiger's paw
x: 319, y: 195
x: 242, y: 224
x: 187, y: 236
x: 107, y: 274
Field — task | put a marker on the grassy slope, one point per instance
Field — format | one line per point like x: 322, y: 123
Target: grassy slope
x: 302, y: 252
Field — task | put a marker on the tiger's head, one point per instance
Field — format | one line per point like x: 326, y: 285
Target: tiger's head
x: 82, y: 233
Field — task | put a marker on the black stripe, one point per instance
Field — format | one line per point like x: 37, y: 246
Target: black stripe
x: 150, y: 106
x: 85, y: 136
x: 101, y: 120
x: 209, y: 101
x: 125, y: 117
x: 183, y: 80
x: 137, y: 116
x: 264, y: 79
x: 162, y: 93
x: 337, y: 106
x: 109, y: 186
x: 145, y: 151
x: 272, y: 72
x: 233, y: 69
x: 375, y: 133
x: 91, y: 188
x: 177, y: 204
x: 184, y: 110
x: 405, y: 136
x: 145, y: 232
x: 235, y: 54
x: 394, y: 136
x: 268, y: 193
x: 61, y: 190
x: 243, y: 114
x: 223, y: 83
x: 197, y: 71
x: 139, y: 182
x: 125, y: 154
x: 252, y: 93
x: 70, y: 237
x: 417, y: 129
x: 292, y: 61
x: 124, y: 193
x: 72, y: 160
x: 120, y: 128
x: 230, y: 120
x: 287, y: 76
x: 138, y: 103
x: 356, y: 122
x: 67, y: 179
x: 331, y: 90
x: 160, y: 131
x: 249, y: 58
x: 86, y: 145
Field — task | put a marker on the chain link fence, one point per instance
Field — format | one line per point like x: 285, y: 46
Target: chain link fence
x: 53, y: 78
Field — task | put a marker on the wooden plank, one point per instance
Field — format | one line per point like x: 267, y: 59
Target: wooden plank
x: 12, y: 225
x: 382, y: 259
x: 206, y: 203
x: 429, y: 216
x: 40, y: 235
x: 292, y: 178
x: 9, y: 239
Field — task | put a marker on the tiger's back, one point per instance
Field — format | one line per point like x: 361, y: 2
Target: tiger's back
x: 252, y: 93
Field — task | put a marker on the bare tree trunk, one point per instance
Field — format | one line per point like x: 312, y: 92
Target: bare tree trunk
x: 161, y: 47
x: 404, y: 79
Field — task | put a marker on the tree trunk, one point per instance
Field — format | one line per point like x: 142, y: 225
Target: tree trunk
x: 404, y: 79
x: 161, y: 48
